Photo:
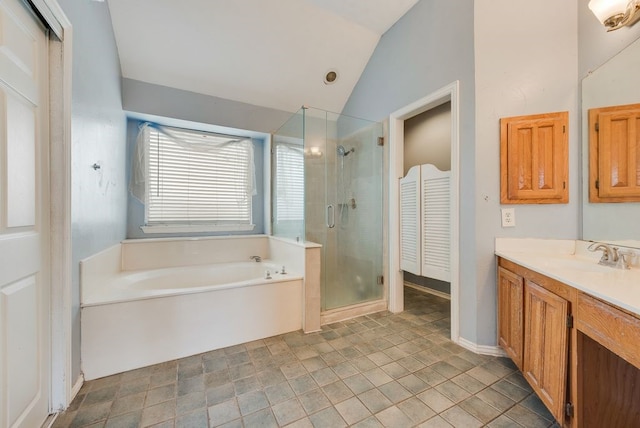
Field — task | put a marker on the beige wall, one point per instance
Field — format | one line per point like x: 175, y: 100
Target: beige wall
x: 427, y: 139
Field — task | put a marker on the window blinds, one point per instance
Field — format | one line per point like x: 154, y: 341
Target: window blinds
x: 289, y: 182
x: 198, y: 178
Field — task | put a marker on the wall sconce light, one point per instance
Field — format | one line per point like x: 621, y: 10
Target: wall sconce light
x: 614, y: 14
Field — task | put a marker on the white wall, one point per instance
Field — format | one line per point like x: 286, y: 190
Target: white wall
x: 98, y: 206
x: 522, y: 67
x: 427, y: 139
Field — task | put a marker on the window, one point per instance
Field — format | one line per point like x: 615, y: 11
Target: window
x: 197, y: 181
x: 289, y: 183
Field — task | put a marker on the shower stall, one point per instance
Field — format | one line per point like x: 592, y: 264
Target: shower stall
x: 327, y: 188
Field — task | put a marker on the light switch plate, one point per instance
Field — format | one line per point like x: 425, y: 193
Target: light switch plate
x: 508, y: 217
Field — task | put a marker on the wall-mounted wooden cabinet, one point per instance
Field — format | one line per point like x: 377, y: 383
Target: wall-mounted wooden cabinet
x: 534, y: 159
x: 614, y: 154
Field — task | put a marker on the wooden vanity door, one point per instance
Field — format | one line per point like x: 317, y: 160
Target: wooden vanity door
x: 546, y: 346
x: 510, y: 305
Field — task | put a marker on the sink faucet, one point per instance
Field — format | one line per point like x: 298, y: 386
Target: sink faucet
x: 256, y: 258
x: 611, y: 256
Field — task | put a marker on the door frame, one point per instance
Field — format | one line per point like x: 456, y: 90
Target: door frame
x: 396, y: 161
x: 60, y: 73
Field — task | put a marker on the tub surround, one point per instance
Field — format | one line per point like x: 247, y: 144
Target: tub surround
x: 127, y: 323
x: 570, y: 262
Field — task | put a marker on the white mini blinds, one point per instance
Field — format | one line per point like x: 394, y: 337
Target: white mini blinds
x: 289, y: 183
x: 200, y: 180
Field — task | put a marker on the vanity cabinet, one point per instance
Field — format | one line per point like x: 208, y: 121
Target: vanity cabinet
x: 614, y: 154
x: 534, y: 159
x: 532, y: 330
x: 510, y: 316
x: 580, y: 354
x: 546, y: 346
x: 609, y: 373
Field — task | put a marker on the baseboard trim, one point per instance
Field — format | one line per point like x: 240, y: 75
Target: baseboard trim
x: 76, y: 387
x: 494, y: 351
x: 48, y: 423
x: 343, y: 314
x: 428, y: 290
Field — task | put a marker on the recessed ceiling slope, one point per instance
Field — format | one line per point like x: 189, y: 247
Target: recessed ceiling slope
x: 267, y: 53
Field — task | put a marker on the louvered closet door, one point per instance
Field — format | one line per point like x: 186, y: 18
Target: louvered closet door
x: 436, y: 222
x: 410, y: 245
x: 24, y: 220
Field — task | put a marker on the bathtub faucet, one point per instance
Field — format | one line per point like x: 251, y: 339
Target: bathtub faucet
x: 256, y: 258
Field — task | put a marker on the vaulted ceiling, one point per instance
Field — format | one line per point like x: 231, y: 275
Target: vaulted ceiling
x: 270, y: 53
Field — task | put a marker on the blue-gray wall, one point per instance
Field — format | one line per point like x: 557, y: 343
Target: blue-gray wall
x: 427, y: 49
x: 157, y: 100
x: 135, y: 208
x: 99, y: 199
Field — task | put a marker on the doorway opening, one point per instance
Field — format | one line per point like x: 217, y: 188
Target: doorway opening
x: 397, y: 123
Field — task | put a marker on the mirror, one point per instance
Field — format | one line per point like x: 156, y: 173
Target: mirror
x: 613, y: 83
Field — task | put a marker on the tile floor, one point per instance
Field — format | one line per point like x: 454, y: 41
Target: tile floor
x: 381, y: 370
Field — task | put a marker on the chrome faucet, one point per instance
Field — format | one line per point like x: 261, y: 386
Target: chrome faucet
x: 256, y: 258
x: 611, y: 256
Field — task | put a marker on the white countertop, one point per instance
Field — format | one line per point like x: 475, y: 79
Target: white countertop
x: 570, y: 262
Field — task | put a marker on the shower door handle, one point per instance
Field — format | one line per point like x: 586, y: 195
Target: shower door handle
x: 331, y: 217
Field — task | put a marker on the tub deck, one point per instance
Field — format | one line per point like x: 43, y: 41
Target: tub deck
x: 128, y: 286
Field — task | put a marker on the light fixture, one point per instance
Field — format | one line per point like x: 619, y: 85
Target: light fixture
x: 614, y: 14
x: 330, y: 77
x: 313, y: 152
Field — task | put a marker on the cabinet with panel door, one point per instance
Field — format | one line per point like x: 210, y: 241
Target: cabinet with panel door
x: 585, y: 370
x: 510, y: 316
x: 533, y: 331
x: 534, y: 159
x: 614, y: 154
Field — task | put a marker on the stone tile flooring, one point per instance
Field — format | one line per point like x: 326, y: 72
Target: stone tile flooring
x: 373, y: 371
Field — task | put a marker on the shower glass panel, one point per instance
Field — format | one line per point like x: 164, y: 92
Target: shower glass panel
x: 342, y: 199
x: 287, y: 179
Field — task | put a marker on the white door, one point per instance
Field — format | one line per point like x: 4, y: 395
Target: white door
x: 24, y: 219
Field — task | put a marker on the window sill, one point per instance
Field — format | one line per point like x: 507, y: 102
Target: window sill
x: 197, y: 228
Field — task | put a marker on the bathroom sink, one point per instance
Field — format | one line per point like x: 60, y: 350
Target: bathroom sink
x: 575, y: 264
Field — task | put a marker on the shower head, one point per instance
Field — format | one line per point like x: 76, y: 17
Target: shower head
x: 344, y: 152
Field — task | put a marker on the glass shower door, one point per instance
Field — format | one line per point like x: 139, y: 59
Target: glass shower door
x: 353, y: 264
x: 327, y: 188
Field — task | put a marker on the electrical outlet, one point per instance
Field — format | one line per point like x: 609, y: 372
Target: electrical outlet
x: 508, y: 217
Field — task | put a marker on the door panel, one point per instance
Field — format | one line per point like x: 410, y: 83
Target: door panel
x: 510, y: 315
x: 20, y: 302
x: 24, y: 219
x: 21, y: 174
x: 546, y: 346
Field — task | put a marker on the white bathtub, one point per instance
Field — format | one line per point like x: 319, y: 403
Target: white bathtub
x: 136, y: 312
x: 144, y: 284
